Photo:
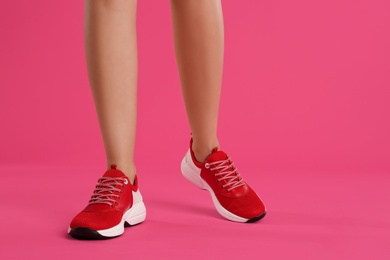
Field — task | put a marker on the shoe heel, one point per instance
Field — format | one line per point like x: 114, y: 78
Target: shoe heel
x: 191, y: 175
x: 136, y: 215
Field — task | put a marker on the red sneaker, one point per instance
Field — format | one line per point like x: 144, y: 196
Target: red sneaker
x: 232, y: 197
x: 114, y: 203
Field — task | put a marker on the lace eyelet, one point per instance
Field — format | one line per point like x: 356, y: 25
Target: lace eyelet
x: 207, y: 165
x: 125, y: 182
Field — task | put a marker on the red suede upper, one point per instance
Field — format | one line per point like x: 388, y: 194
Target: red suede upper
x: 102, y: 216
x: 241, y: 201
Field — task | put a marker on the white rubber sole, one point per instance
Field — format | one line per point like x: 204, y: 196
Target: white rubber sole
x: 135, y: 215
x: 192, y: 173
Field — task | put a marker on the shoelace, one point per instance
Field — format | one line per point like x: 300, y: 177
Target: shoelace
x: 226, y: 171
x: 105, y: 190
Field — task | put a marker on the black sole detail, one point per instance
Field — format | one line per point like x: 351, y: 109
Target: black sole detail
x: 251, y: 220
x: 87, y: 234
x: 128, y: 225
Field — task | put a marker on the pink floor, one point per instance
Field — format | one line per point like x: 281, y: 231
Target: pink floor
x: 310, y: 216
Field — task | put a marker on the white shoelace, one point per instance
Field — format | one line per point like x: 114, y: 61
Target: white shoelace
x: 226, y: 171
x: 104, y: 190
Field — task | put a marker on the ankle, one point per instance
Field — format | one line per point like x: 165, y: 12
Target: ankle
x: 128, y: 169
x: 201, y: 152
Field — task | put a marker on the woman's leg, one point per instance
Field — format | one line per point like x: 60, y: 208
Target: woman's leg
x: 199, y: 46
x: 111, y: 55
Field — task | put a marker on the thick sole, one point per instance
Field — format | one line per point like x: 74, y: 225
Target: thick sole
x: 135, y: 215
x: 192, y: 174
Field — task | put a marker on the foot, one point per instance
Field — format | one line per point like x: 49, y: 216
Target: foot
x: 114, y: 203
x: 232, y: 196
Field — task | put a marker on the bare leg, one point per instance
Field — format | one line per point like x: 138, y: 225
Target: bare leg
x: 111, y: 55
x: 199, y: 46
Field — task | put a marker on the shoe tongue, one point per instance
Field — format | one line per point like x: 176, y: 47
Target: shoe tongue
x: 114, y: 172
x: 217, y: 156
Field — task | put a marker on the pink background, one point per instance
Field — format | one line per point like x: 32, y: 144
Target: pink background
x: 304, y: 114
